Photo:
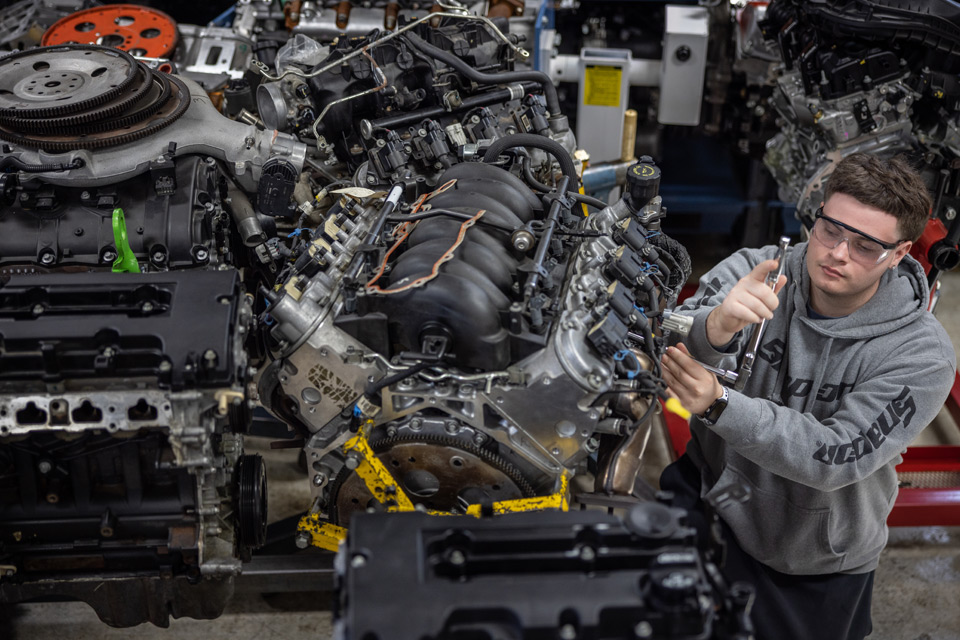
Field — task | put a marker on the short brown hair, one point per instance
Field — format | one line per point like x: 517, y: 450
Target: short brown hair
x: 891, y: 185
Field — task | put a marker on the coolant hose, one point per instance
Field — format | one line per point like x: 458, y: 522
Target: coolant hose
x: 543, y: 143
x: 506, y: 77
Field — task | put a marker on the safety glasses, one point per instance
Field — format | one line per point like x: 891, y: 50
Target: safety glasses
x: 862, y: 248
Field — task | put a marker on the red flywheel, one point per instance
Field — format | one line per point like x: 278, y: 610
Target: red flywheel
x: 141, y: 31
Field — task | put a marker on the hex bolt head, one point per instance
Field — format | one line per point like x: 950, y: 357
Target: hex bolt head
x: 683, y: 53
x: 302, y: 540
x: 48, y: 258
x: 44, y: 467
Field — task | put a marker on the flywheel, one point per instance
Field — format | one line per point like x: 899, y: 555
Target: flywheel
x: 142, y: 31
x: 442, y: 474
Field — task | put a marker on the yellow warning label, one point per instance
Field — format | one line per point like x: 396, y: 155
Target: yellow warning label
x: 602, y: 86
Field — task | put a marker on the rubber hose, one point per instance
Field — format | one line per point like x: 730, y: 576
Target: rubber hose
x: 552, y: 147
x: 506, y: 77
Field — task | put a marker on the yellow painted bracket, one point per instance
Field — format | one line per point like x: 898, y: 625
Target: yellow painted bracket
x: 556, y: 500
x: 381, y: 483
x: 322, y: 534
x: 377, y: 477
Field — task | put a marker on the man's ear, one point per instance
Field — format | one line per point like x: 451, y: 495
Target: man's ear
x: 898, y: 254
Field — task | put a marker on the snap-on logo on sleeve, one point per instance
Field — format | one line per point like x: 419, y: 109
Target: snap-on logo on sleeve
x: 899, y: 411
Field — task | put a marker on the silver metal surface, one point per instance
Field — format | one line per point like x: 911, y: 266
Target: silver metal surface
x: 684, y: 64
x: 60, y: 78
x: 201, y: 130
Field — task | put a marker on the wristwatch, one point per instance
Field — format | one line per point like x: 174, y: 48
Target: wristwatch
x: 713, y: 412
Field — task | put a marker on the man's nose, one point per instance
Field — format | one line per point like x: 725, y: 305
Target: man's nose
x: 841, y: 254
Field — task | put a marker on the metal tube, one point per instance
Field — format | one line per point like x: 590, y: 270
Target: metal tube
x: 629, y: 142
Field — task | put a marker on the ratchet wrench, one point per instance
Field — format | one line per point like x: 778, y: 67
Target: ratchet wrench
x: 682, y: 325
x: 750, y: 356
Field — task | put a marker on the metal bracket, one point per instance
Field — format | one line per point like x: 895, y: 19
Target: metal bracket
x: 381, y: 483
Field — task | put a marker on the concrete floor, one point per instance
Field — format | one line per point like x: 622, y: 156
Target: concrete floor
x: 916, y: 597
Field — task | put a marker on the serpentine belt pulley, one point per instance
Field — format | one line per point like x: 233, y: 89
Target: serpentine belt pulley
x: 70, y: 97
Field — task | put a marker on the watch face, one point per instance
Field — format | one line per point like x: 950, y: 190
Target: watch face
x: 714, y: 414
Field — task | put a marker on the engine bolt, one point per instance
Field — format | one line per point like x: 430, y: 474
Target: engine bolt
x: 352, y: 461
x: 159, y: 256
x: 303, y: 540
x: 146, y: 307
x: 201, y: 255
x: 950, y: 213
x: 109, y: 255
x: 37, y: 309
x: 416, y: 424
x: 165, y: 366
x: 47, y: 258
x: 358, y: 561
x: 391, y: 431
x: 568, y: 632
x: 587, y: 554
x: 457, y: 558
x: 452, y: 427
x: 479, y: 438
x: 44, y: 467
x: 643, y: 629
x: 319, y: 479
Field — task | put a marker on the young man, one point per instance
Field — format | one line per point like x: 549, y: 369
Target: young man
x: 850, y: 369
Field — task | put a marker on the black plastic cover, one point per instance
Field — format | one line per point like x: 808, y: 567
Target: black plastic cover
x: 544, y: 575
x: 178, y: 327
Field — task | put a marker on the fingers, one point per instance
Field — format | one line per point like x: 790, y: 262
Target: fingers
x: 694, y: 386
x: 759, y: 272
x: 781, y: 281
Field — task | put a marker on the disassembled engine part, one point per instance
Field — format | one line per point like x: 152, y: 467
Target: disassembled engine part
x: 142, y: 31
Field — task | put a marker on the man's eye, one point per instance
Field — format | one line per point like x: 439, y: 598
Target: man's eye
x: 832, y: 230
x: 866, y: 248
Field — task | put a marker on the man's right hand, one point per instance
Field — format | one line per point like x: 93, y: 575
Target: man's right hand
x: 750, y: 301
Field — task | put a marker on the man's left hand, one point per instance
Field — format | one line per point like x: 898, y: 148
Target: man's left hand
x: 695, y: 387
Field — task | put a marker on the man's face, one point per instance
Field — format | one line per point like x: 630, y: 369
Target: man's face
x: 841, y: 280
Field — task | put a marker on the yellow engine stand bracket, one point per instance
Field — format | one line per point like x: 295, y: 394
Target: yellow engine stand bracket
x: 322, y: 534
x: 378, y: 479
x: 381, y: 483
x: 559, y: 501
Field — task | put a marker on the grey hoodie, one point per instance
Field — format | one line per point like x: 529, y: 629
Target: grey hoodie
x: 822, y: 422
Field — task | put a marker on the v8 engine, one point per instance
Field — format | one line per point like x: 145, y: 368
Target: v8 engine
x: 394, y: 247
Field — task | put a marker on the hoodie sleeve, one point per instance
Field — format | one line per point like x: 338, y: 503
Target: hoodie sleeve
x: 873, y: 424
x: 713, y: 288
